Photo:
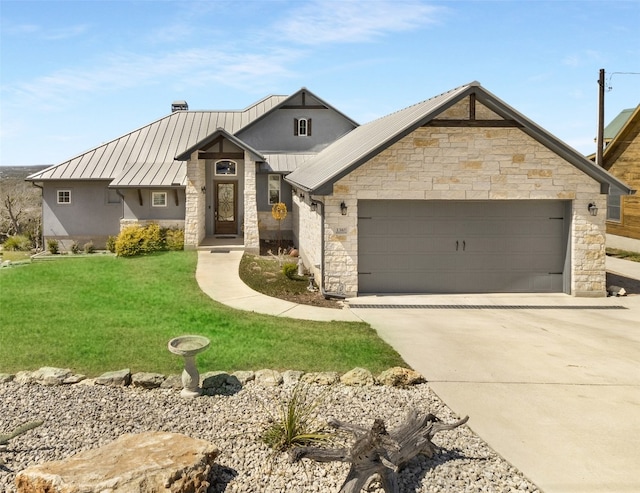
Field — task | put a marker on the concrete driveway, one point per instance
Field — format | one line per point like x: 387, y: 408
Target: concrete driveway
x: 554, y: 389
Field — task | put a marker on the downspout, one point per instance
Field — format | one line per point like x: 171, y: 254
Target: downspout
x: 41, y: 212
x: 327, y: 294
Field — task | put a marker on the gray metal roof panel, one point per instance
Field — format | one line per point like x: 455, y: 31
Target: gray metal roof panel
x: 286, y: 163
x: 154, y: 144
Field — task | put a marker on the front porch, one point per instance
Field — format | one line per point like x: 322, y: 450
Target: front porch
x: 222, y: 243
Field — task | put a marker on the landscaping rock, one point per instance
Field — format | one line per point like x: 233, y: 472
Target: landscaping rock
x: 400, y: 377
x: 357, y: 376
x: 244, y: 376
x: 147, y: 380
x: 149, y: 462
x: 321, y: 378
x: 118, y: 378
x: 48, y: 376
x: 268, y: 378
x: 220, y: 383
x: 291, y: 377
x: 172, y: 382
x: 5, y: 377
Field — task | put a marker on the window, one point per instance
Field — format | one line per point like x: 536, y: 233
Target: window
x: 613, y: 208
x: 113, y: 197
x: 225, y: 168
x: 302, y: 127
x: 158, y: 199
x: 274, y: 189
x: 64, y: 196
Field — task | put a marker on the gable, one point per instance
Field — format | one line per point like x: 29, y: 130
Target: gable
x: 622, y: 156
x: 469, y: 106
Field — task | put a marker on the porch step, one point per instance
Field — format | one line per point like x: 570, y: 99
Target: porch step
x: 222, y: 244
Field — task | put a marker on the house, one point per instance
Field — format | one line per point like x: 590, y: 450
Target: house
x: 621, y: 157
x: 457, y: 194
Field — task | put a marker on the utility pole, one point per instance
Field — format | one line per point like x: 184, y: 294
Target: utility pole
x: 600, y: 135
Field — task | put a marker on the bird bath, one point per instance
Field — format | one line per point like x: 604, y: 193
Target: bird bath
x: 188, y: 347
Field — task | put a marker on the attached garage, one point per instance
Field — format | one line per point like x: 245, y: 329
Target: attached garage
x: 459, y: 193
x: 410, y: 246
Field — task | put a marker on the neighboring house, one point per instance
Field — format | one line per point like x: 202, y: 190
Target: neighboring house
x: 456, y: 194
x: 621, y: 157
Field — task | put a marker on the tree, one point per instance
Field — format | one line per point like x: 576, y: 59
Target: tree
x: 20, y: 209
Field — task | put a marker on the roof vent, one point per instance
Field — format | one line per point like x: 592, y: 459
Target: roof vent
x: 179, y: 106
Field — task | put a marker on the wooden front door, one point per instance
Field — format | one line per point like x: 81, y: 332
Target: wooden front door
x: 226, y: 208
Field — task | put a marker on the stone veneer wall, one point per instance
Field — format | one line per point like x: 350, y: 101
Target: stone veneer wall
x: 467, y: 164
x: 194, y: 227
x: 250, y: 228
x: 307, y: 235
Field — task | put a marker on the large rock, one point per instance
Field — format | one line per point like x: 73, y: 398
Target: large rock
x: 321, y: 378
x: 400, y: 377
x: 268, y: 378
x: 6, y: 377
x: 118, y: 378
x: 357, y: 376
x: 48, y: 375
x: 147, y: 380
x: 220, y: 383
x: 151, y: 462
x: 291, y: 377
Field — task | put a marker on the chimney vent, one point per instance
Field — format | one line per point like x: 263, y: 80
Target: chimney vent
x: 179, y: 106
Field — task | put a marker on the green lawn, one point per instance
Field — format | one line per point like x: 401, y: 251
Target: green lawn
x: 105, y: 313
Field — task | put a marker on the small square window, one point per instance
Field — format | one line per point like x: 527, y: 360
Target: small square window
x: 158, y: 199
x: 274, y: 189
x: 64, y: 196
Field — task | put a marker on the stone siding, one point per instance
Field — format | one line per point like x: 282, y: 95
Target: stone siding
x: 307, y: 235
x: 250, y: 227
x: 467, y: 164
x: 194, y: 228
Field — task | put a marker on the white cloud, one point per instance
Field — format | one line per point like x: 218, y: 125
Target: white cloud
x: 194, y: 67
x: 355, y: 21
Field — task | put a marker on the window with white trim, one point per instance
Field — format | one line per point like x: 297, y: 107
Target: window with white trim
x: 64, y: 197
x: 158, y: 199
x: 302, y: 127
x: 273, y: 191
x: 226, y: 167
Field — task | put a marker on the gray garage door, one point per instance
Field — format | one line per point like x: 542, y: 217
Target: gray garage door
x: 409, y: 246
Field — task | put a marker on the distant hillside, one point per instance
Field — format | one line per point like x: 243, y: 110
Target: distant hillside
x: 19, y: 172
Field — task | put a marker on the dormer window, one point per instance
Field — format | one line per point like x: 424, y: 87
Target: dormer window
x: 302, y: 127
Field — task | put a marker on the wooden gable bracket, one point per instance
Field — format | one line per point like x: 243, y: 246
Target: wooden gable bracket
x: 472, y: 122
x: 175, y: 193
x: 219, y: 153
x: 140, y: 196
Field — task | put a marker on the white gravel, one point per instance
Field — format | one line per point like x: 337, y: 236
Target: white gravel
x: 82, y: 417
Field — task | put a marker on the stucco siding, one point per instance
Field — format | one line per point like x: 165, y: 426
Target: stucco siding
x: 446, y: 163
x: 133, y: 209
x: 76, y: 221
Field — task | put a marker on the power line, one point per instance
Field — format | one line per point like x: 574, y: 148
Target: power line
x: 609, y: 86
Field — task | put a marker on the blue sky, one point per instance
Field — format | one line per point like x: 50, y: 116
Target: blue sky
x: 75, y: 74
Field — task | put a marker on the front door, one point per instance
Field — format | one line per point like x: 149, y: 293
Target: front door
x: 226, y: 208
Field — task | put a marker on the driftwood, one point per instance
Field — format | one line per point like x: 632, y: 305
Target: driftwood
x: 378, y: 452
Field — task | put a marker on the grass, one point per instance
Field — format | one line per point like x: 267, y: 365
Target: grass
x: 634, y: 256
x: 99, y: 314
x: 15, y: 256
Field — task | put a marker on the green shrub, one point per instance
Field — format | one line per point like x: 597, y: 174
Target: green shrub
x: 137, y: 240
x: 111, y: 244
x: 53, y: 246
x: 75, y: 248
x: 174, y: 239
x: 17, y: 243
x: 290, y: 270
x: 89, y: 248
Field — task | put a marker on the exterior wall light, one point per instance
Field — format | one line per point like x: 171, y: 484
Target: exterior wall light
x: 593, y: 209
x: 203, y: 189
x: 343, y: 209
x: 313, y: 206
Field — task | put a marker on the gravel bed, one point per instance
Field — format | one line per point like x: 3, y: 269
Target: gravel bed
x: 81, y: 417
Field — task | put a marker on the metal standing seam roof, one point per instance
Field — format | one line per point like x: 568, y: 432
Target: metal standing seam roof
x: 614, y: 127
x: 147, y: 155
x: 363, y: 143
x: 286, y: 163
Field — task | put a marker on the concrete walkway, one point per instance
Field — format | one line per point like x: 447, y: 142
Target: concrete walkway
x: 551, y: 382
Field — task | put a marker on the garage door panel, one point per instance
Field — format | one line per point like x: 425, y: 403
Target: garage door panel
x: 456, y: 246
